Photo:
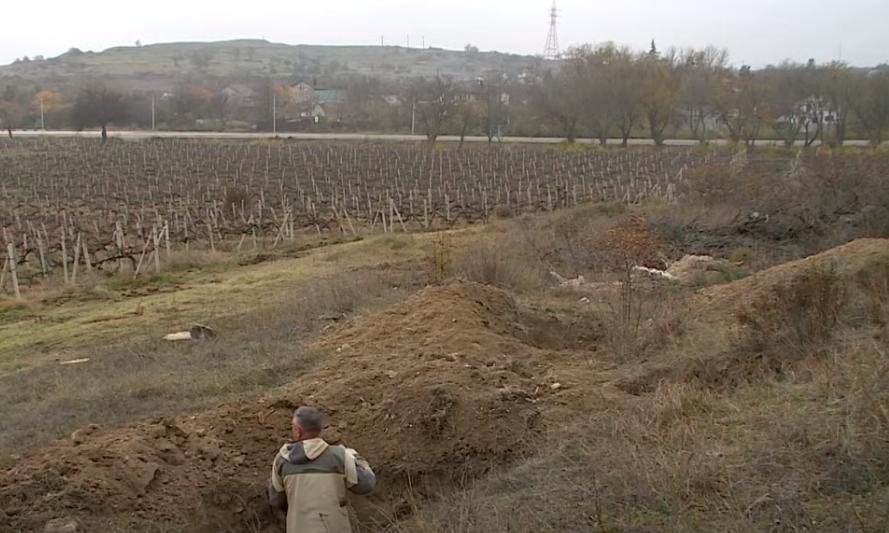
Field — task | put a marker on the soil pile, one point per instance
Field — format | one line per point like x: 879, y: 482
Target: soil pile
x: 861, y: 262
x: 775, y: 318
x: 439, y: 389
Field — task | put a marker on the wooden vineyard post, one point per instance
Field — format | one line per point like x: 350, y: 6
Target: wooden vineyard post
x: 349, y: 221
x: 157, y: 249
x: 281, y: 230
x: 3, y: 273
x: 42, y: 253
x: 118, y: 240
x: 391, y: 216
x: 76, y: 260
x: 64, y: 257
x: 86, y: 257
x: 10, y: 260
x: 167, y: 238
x: 141, y: 258
x: 210, y: 229
x: 395, y: 209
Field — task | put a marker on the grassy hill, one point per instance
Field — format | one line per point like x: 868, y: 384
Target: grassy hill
x: 159, y: 66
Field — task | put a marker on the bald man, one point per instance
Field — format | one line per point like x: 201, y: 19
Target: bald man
x: 310, y: 478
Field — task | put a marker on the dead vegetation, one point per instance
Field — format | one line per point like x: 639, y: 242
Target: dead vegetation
x: 255, y: 351
x: 753, y: 400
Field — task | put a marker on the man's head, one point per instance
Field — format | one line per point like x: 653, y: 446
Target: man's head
x: 307, y: 423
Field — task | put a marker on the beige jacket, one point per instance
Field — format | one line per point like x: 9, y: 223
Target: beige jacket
x: 310, y: 479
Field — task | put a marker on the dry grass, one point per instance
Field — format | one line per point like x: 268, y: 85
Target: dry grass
x: 256, y: 350
x: 500, y: 264
x: 809, y: 453
x: 785, y: 430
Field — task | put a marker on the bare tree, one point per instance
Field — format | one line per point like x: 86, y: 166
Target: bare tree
x: 871, y: 103
x: 742, y: 106
x: 660, y: 96
x: 560, y: 99
x: 466, y: 117
x: 494, y: 106
x: 838, y: 82
x: 701, y: 71
x: 11, y: 114
x: 98, y: 106
x: 434, y: 101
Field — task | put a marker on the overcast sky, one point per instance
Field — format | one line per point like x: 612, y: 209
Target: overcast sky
x: 756, y: 32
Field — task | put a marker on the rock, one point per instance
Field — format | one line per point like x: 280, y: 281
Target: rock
x: 62, y: 525
x: 143, y: 476
x: 180, y: 336
x: 555, y: 386
x: 196, y: 333
x: 79, y: 436
x: 655, y: 273
x: 392, y: 374
x: 170, y: 453
x: 692, y: 267
x: 200, y: 332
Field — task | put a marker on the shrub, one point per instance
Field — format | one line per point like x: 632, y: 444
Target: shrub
x: 741, y: 255
x: 797, y: 318
x: 502, y: 211
x: 497, y: 265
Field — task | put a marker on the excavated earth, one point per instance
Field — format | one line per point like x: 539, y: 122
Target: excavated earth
x: 435, y: 391
x: 440, y: 389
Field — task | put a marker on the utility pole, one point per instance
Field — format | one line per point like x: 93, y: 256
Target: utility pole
x: 274, y: 113
x: 42, y: 122
x: 413, y: 114
x: 153, y: 112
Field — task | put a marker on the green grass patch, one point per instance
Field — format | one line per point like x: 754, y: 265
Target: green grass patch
x: 14, y: 312
x: 732, y: 272
x: 161, y: 280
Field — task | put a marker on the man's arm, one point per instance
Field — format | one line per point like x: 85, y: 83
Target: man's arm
x: 366, y: 480
x: 277, y: 493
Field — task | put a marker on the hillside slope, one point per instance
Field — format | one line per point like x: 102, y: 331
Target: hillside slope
x: 155, y: 66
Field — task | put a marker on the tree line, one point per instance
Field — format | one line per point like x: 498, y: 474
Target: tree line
x: 609, y: 91
x: 603, y: 92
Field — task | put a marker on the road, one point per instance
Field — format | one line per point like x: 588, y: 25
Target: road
x: 143, y: 134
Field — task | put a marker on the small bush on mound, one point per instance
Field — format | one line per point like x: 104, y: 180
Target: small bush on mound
x: 731, y: 272
x: 797, y: 317
x: 494, y: 264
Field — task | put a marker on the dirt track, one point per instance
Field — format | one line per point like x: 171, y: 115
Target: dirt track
x: 143, y: 134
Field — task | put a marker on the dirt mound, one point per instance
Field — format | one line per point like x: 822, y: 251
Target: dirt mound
x: 778, y: 317
x: 856, y: 262
x: 441, y: 388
